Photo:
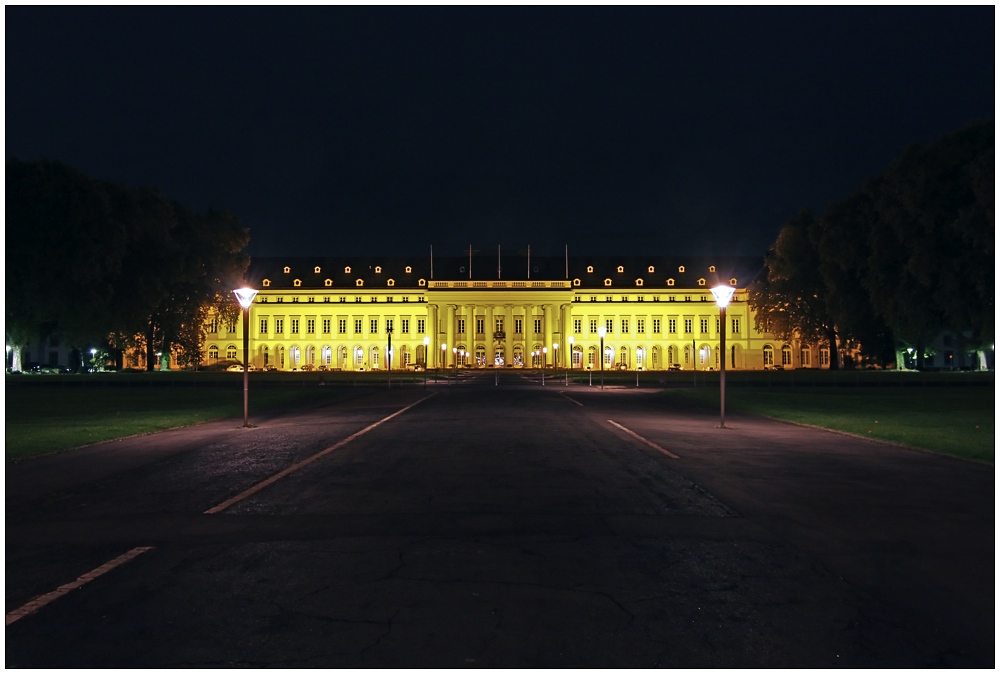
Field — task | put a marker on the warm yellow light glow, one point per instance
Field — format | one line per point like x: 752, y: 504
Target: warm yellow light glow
x: 723, y: 295
x: 602, y: 332
x: 245, y: 296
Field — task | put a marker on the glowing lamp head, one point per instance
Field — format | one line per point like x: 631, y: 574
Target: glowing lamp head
x: 723, y: 295
x: 427, y: 340
x: 571, y: 340
x: 602, y: 332
x: 245, y: 296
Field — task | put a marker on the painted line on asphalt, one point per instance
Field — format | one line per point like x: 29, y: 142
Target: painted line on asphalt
x: 291, y: 469
x: 571, y: 399
x: 38, y: 602
x: 642, y: 439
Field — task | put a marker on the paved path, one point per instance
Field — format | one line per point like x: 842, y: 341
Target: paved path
x: 502, y: 526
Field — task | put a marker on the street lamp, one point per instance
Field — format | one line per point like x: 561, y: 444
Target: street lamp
x: 570, y: 356
x: 723, y: 295
x: 245, y: 297
x: 601, y: 332
x: 545, y: 357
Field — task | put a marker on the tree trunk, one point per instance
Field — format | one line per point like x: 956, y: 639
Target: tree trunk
x: 831, y: 335
x: 150, y: 350
x: 920, y: 354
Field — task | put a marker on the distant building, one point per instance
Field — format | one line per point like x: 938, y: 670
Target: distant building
x: 502, y: 311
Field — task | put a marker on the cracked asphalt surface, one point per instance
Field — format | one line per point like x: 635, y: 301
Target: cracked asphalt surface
x: 503, y: 526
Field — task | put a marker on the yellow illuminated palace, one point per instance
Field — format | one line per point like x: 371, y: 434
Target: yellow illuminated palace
x: 479, y: 311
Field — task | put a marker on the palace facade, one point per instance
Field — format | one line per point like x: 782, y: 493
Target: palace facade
x: 501, y: 311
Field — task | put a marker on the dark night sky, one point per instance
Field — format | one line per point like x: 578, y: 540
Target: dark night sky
x: 343, y: 131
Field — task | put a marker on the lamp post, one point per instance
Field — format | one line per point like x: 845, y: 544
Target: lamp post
x: 245, y: 297
x: 388, y: 357
x: 545, y: 357
x: 601, y: 332
x: 427, y: 357
x: 639, y: 354
x: 723, y: 295
x: 569, y: 355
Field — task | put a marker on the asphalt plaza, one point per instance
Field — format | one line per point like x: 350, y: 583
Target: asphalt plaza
x: 508, y: 525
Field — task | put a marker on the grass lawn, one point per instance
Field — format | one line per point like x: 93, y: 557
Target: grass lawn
x: 952, y: 420
x: 46, y: 419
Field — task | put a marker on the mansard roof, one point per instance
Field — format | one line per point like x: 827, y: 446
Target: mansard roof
x: 596, y: 272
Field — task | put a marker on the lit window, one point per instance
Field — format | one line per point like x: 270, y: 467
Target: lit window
x: 297, y: 283
x: 732, y: 282
x: 711, y: 268
x: 288, y: 270
x: 638, y: 281
x: 421, y: 283
x: 652, y: 269
x: 347, y: 270
x: 316, y: 269
x: 328, y: 283
x: 266, y: 283
x: 359, y: 283
x: 590, y: 269
x: 391, y: 282
x: 620, y: 269
x: 670, y: 281
x: 576, y: 282
x: 409, y: 269
x: 378, y: 270
x: 680, y: 270
x: 701, y: 281
x: 607, y: 281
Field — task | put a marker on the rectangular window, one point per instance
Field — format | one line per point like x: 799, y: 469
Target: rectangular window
x: 357, y: 326
x: 480, y: 326
x: 421, y: 326
x: 577, y: 325
x: 518, y: 326
x: 405, y: 325
x: 498, y: 325
x: 373, y: 326
x: 624, y: 326
x: 341, y: 326
x: 672, y: 326
x: 232, y: 325
x: 640, y: 326
x: 688, y: 325
x: 461, y: 326
x: 213, y: 326
x: 806, y: 358
x: 310, y: 326
x: 263, y: 326
x: 279, y: 325
x: 704, y: 326
x: 736, y: 326
x: 609, y: 325
x: 593, y: 326
x: 538, y: 326
x: 656, y: 326
x: 717, y: 326
x: 326, y: 326
x: 388, y: 326
x: 824, y: 357
x: 295, y: 326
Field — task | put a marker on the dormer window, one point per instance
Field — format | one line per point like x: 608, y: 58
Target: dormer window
x: 421, y: 283
x: 670, y: 281
x: 638, y: 282
x: 266, y: 283
x: 590, y: 269
x: 288, y: 270
x: 680, y: 270
x: 652, y: 269
x: 378, y: 270
x: 607, y: 282
x: 711, y: 268
x: 328, y: 283
x: 297, y: 283
x: 391, y: 283
x: 359, y: 283
x: 347, y: 270
x: 701, y: 281
x: 316, y: 270
x: 732, y: 281
x: 620, y: 269
x: 409, y: 270
x: 576, y: 283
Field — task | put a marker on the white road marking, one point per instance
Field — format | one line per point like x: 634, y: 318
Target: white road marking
x: 291, y: 469
x: 642, y: 439
x: 571, y: 399
x: 39, y: 602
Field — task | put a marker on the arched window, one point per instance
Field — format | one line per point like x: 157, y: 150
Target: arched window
x: 768, y: 355
x: 672, y: 356
x: 265, y: 352
x: 518, y: 356
x: 786, y: 356
x: 373, y: 360
x: 281, y: 357
x: 640, y: 358
x: 577, y: 356
x: 591, y: 357
x: 805, y: 356
x: 231, y: 352
x: 480, y: 355
x: 359, y: 357
x: 213, y: 353
x: 311, y: 355
x: 294, y: 356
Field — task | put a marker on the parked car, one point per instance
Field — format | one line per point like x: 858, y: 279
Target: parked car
x: 308, y: 367
x: 675, y: 367
x: 235, y: 367
x: 269, y: 368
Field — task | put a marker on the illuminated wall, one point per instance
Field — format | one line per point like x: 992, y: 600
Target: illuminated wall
x: 515, y: 312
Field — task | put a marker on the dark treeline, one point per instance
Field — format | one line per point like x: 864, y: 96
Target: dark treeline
x: 111, y: 267
x: 908, y: 256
